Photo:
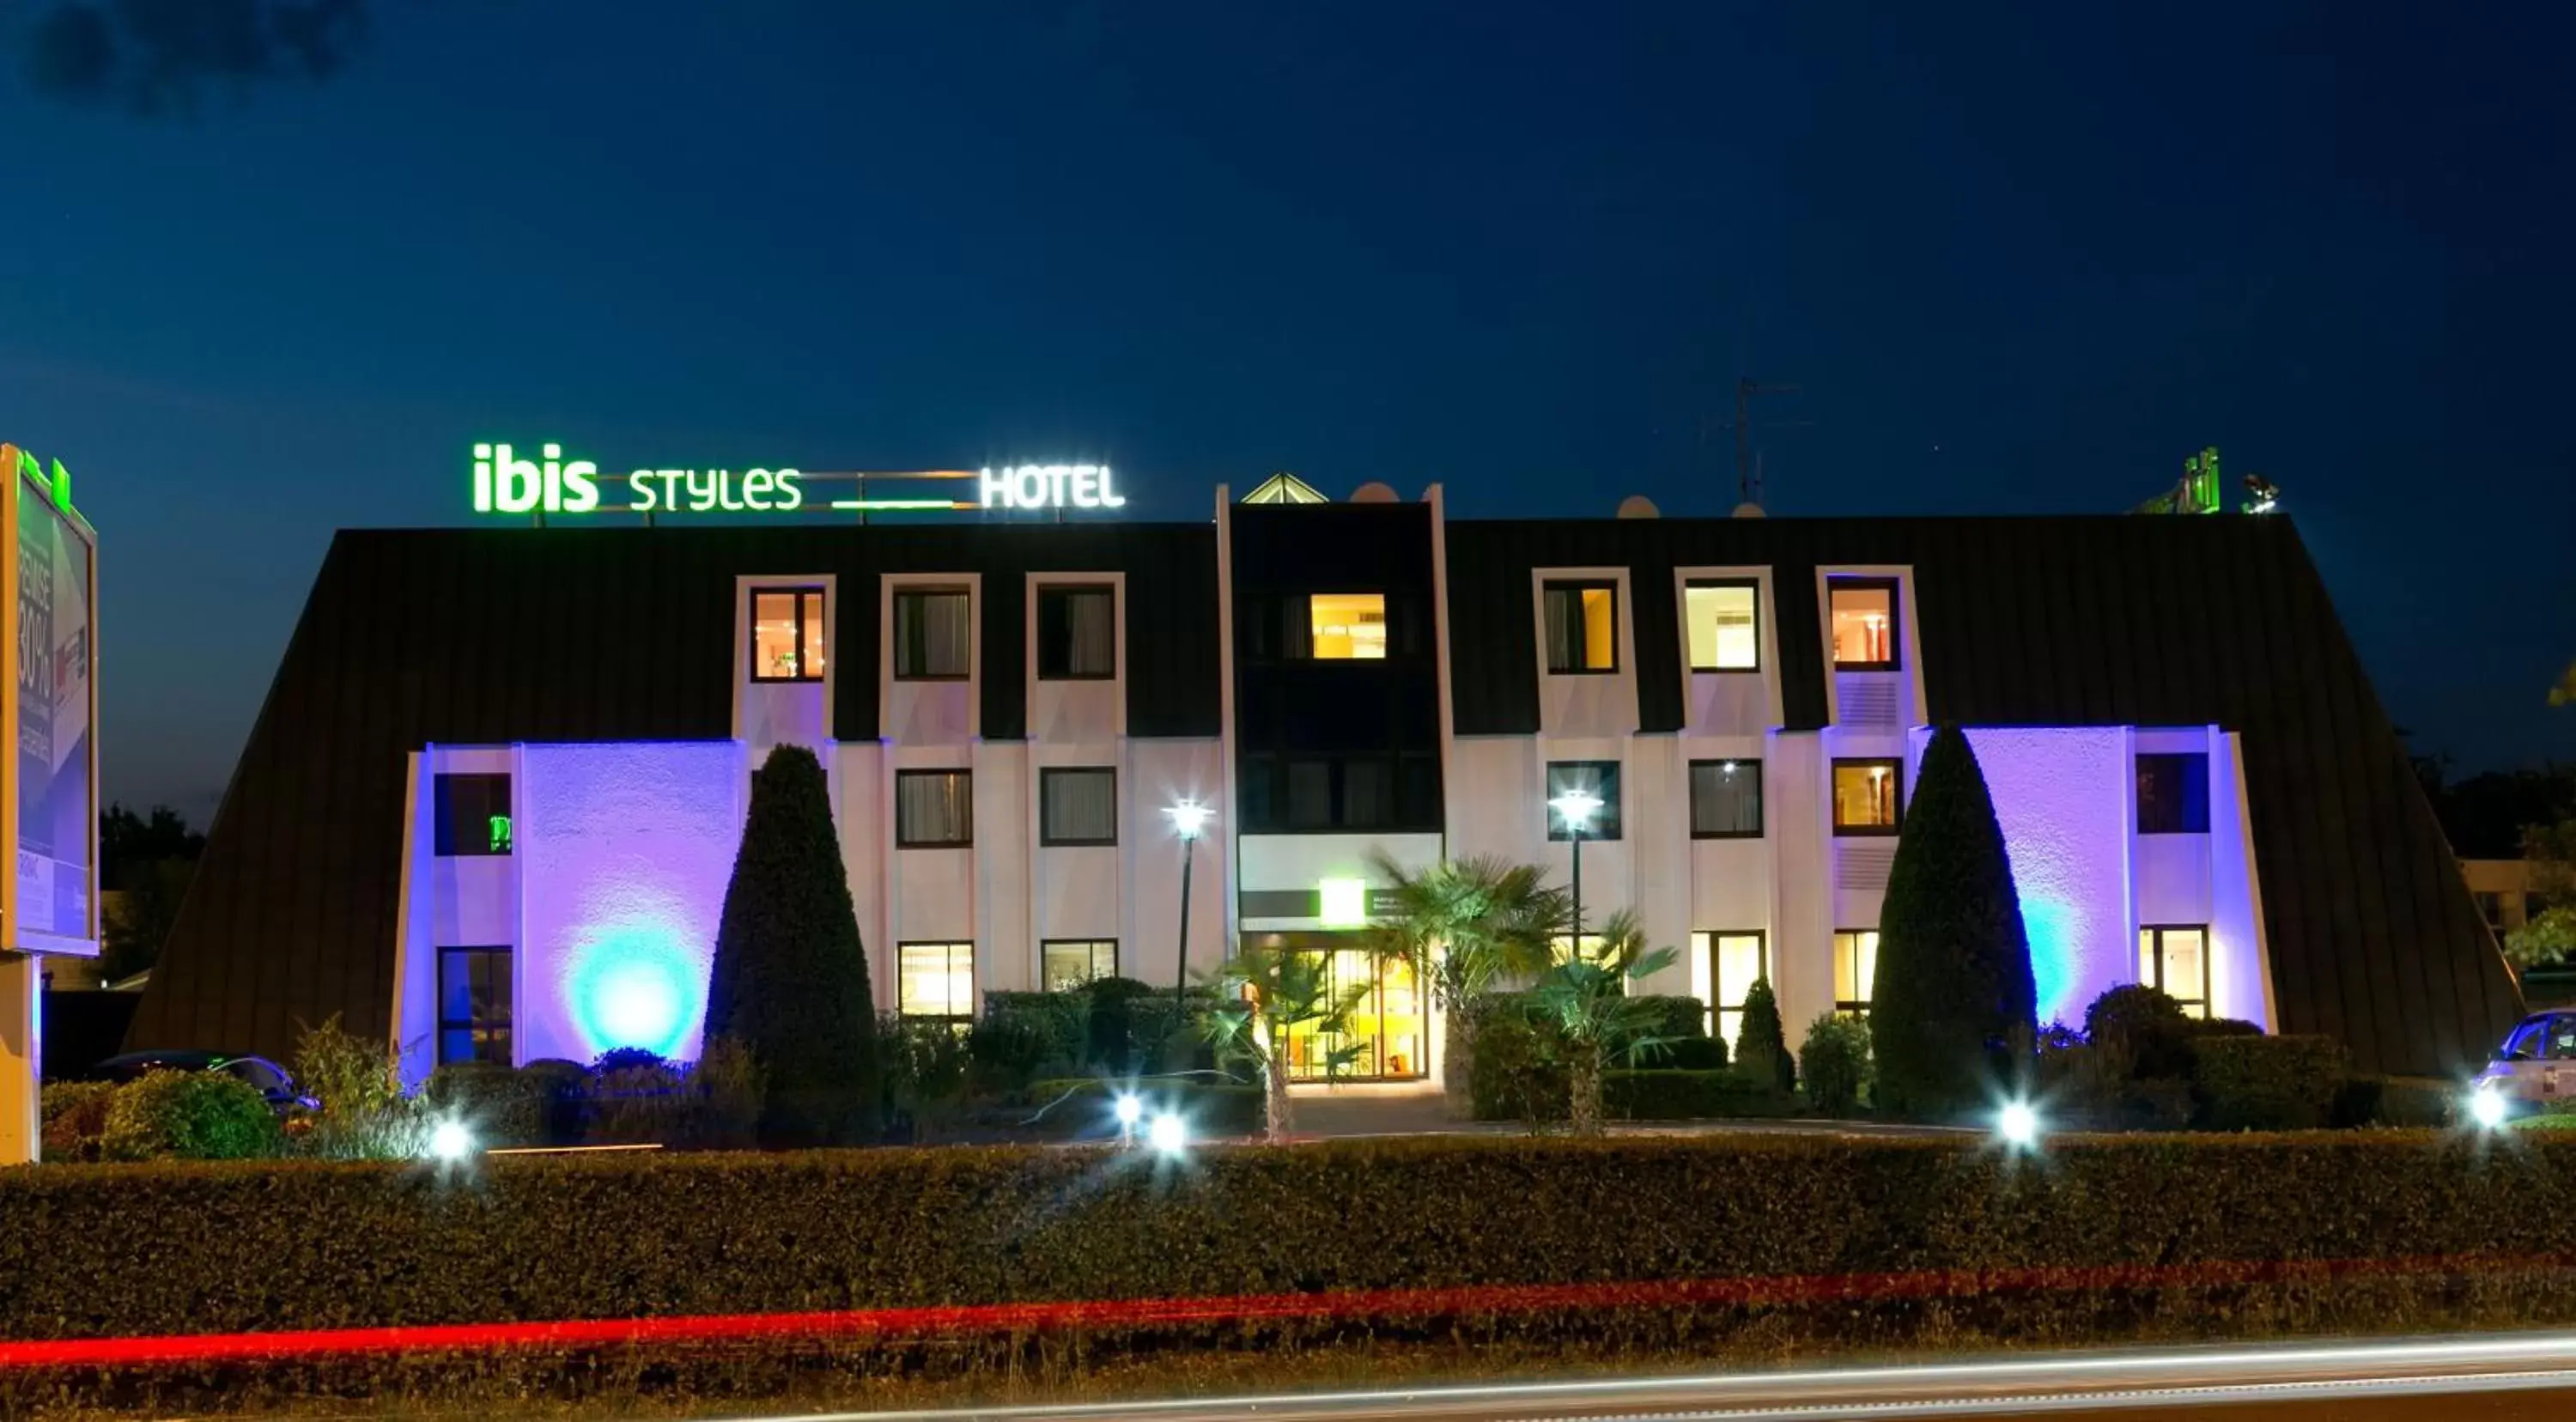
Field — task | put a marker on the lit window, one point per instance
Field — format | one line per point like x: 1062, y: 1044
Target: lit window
x: 1343, y: 627
x: 1855, y: 970
x: 1720, y: 620
x: 933, y: 635
x: 935, y: 980
x: 1078, y: 806
x: 474, y: 1005
x: 1597, y: 778
x: 1582, y: 627
x: 1864, y: 624
x: 1869, y: 796
x: 2175, y: 962
x: 2173, y: 793
x: 1077, y: 634
x: 934, y: 809
x: 1735, y: 963
x: 471, y: 814
x: 1726, y: 799
x: 787, y: 634
x: 1068, y: 963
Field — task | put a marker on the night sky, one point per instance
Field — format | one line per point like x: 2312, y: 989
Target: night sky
x: 2020, y: 258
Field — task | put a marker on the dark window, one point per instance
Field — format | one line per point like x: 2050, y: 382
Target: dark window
x: 1077, y: 634
x: 1260, y: 793
x: 1864, y: 624
x: 934, y: 636
x: 1310, y: 794
x: 1078, y: 806
x: 474, y: 1005
x: 787, y: 634
x: 1723, y: 624
x: 2173, y: 793
x: 1726, y: 799
x: 1597, y: 778
x: 1065, y: 964
x: 1368, y: 794
x: 1581, y: 627
x: 934, y: 809
x: 472, y: 814
x: 1869, y: 796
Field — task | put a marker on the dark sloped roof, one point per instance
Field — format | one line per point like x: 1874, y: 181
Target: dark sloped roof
x: 2092, y: 621
x: 499, y: 635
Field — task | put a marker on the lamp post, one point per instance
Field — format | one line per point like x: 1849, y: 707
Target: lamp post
x: 1188, y: 817
x: 1577, y: 806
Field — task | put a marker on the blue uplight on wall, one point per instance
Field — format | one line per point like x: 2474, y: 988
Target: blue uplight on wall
x: 2056, y: 938
x: 636, y: 987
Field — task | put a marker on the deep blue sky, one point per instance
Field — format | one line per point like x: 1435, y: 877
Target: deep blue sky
x: 2022, y: 258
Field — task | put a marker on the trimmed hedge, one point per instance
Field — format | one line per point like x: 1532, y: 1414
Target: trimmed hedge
x: 1657, y: 1094
x: 2268, y: 1083
x: 323, y: 1244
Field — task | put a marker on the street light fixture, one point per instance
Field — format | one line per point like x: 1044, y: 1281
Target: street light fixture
x: 1188, y: 818
x: 1577, y: 805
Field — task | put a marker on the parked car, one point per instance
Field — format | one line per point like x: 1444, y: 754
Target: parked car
x: 2535, y: 1067
x: 271, y: 1079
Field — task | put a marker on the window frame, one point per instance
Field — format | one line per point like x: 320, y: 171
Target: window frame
x: 804, y: 654
x: 2154, y: 934
x: 952, y: 945
x: 1751, y: 585
x: 443, y: 827
x: 1761, y: 805
x: 902, y: 841
x: 1895, y: 589
x: 894, y: 629
x: 1579, y: 585
x: 1095, y: 944
x: 1037, y: 624
x: 1834, y: 802
x: 1613, y: 802
x: 2139, y: 769
x: 1856, y: 1008
x: 1303, y: 604
x: 1047, y: 774
x: 508, y: 1025
x: 1718, y: 1010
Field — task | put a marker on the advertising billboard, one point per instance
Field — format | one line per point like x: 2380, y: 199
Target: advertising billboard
x: 56, y: 811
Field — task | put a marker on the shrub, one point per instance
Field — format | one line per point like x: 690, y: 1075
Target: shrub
x: 1518, y: 1073
x: 1692, y: 1054
x: 1663, y: 1094
x: 2416, y: 1101
x: 1672, y: 1016
x: 923, y: 1063
x: 362, y: 1112
x: 1953, y: 1005
x: 188, y: 1115
x: 2269, y: 1083
x: 1110, y: 1038
x: 75, y: 1118
x: 1834, y: 1064
x: 640, y: 1099
x: 1761, y: 1044
x: 560, y: 1085
x: 1007, y: 1051
x: 2146, y: 1026
x: 725, y: 1089
x: 1053, y: 1023
x: 790, y: 977
x: 503, y: 1106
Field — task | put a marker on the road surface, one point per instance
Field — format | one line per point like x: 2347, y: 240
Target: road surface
x: 2480, y: 1378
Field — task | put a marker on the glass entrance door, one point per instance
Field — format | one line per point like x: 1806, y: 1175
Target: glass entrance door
x: 1385, y: 1037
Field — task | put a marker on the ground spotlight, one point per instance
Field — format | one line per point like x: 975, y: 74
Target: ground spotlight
x: 1169, y: 1134
x: 450, y: 1142
x: 1129, y: 1109
x: 2487, y: 1108
x: 2018, y: 1124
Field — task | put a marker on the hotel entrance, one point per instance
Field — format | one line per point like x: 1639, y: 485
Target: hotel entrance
x: 1387, y: 1037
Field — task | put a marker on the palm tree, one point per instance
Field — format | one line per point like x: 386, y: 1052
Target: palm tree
x: 1463, y: 926
x: 1266, y: 992
x: 1594, y: 1004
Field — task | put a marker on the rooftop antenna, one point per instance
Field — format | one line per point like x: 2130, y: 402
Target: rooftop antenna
x: 1748, y: 470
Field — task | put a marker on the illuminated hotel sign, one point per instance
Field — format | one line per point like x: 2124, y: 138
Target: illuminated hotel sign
x: 507, y: 481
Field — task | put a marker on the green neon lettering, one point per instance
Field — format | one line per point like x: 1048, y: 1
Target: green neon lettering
x: 790, y: 490
x: 500, y: 834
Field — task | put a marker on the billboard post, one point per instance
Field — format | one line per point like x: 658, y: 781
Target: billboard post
x: 49, y: 782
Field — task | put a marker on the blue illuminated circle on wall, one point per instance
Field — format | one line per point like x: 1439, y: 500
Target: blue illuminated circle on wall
x: 638, y: 987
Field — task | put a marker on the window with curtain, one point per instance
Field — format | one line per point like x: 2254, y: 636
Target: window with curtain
x: 1722, y: 622
x: 1597, y: 778
x: 933, y: 634
x: 1735, y: 961
x: 1869, y: 796
x: 935, y: 980
x: 1582, y: 626
x: 2173, y: 793
x: 787, y: 634
x: 1855, y: 969
x: 1077, y: 633
x: 474, y: 1005
x: 934, y: 809
x: 1862, y: 613
x: 1726, y: 799
x: 1066, y: 964
x: 1078, y: 805
x: 2174, y: 960
x: 1343, y: 627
